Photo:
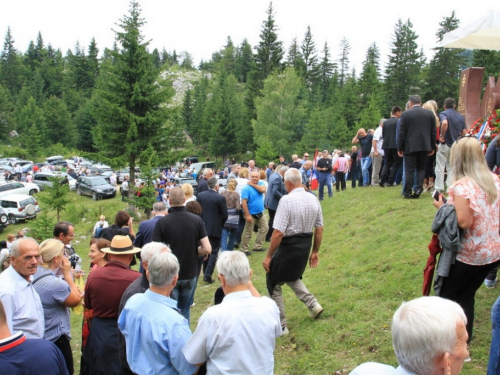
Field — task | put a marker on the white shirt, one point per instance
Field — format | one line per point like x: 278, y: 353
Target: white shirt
x: 104, y: 223
x: 22, y: 305
x: 373, y: 368
x: 237, y: 336
x: 377, y: 136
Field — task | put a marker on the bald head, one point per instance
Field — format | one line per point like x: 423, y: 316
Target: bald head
x: 176, y: 197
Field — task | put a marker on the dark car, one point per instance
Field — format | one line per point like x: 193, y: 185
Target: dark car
x: 96, y: 187
x: 59, y: 163
x: 183, y: 180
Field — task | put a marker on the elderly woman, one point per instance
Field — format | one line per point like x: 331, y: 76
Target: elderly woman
x: 474, y: 192
x: 188, y: 192
x: 233, y: 209
x: 57, y: 295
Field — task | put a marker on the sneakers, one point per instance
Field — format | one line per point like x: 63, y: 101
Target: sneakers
x: 284, y: 331
x: 490, y: 284
x: 261, y: 249
x: 315, y: 311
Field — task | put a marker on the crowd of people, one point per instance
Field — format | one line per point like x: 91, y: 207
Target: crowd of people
x: 138, y: 322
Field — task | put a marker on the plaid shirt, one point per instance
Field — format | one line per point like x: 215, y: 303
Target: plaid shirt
x: 298, y: 212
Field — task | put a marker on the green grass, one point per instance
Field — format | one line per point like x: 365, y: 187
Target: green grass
x: 372, y: 258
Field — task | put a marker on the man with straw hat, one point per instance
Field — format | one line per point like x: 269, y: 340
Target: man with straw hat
x: 103, y: 291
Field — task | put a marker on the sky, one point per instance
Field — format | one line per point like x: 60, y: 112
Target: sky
x: 201, y: 27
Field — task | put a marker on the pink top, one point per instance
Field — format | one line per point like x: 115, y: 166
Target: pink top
x: 480, y: 243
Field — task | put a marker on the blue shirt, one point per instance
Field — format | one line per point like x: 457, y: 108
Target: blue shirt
x: 255, y: 200
x: 53, y: 291
x: 155, y: 333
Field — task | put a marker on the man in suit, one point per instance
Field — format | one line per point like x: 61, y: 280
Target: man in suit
x: 275, y: 190
x: 416, y: 141
x: 214, y: 215
x: 203, y: 183
x: 390, y: 146
x: 146, y: 228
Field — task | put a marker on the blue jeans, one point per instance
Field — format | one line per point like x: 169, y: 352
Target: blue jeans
x: 183, y: 293
x: 365, y: 170
x: 228, y: 238
x: 494, y: 362
x: 325, y: 178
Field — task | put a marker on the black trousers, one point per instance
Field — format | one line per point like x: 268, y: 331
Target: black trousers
x: 272, y: 213
x: 392, y: 163
x: 65, y: 347
x: 339, y: 180
x: 461, y: 286
x: 415, y: 161
x: 209, y: 264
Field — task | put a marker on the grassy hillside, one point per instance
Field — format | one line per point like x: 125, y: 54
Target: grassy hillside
x: 372, y: 258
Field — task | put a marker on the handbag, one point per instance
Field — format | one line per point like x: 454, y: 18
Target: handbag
x: 232, y: 219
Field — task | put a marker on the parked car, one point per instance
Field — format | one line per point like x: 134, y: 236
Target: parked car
x: 4, y: 220
x: 99, y: 169
x: 96, y: 187
x: 14, y: 187
x: 19, y: 207
x: 199, y: 166
x: 42, y: 179
x: 120, y: 175
x: 183, y: 180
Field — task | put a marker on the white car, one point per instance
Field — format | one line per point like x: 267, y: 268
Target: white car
x: 19, y: 207
x: 14, y: 187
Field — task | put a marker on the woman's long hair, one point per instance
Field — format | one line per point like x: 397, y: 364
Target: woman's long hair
x: 431, y: 105
x: 467, y: 160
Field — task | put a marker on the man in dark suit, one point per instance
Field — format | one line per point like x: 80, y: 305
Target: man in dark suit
x: 416, y: 141
x: 275, y: 190
x: 214, y: 215
x: 145, y: 232
x: 390, y: 146
x: 202, y: 184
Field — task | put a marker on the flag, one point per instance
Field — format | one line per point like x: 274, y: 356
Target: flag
x: 314, y: 177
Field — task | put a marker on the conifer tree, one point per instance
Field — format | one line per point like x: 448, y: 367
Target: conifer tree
x: 402, y: 74
x: 326, y: 69
x: 129, y: 102
x: 310, y: 58
x: 345, y: 48
x: 243, y: 61
x: 443, y: 72
x: 11, y: 67
x: 370, y: 84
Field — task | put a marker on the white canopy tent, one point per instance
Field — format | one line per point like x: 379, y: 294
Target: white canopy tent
x: 481, y: 34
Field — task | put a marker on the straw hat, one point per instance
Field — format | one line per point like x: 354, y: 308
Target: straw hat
x: 121, y: 245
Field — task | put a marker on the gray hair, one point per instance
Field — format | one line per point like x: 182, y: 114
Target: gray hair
x: 382, y: 120
x: 423, y: 329
x: 284, y: 168
x: 206, y: 172
x: 212, y: 182
x: 162, y: 267
x: 293, y: 176
x: 159, y: 207
x: 15, y: 247
x: 153, y: 248
x: 235, y: 268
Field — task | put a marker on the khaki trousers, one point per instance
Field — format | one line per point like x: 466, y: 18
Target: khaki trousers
x: 261, y: 234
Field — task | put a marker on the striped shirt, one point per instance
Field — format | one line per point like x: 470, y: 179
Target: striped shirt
x: 53, y: 291
x: 342, y: 164
x: 298, y: 212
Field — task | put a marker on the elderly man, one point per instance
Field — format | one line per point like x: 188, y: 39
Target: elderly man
x: 305, y: 171
x: 140, y: 285
x: 22, y: 304
x: 275, y: 190
x: 429, y: 338
x: 252, y: 201
x: 324, y: 167
x: 103, y: 292
x: 214, y: 216
x: 251, y: 165
x: 203, y: 183
x: 298, y: 213
x: 240, y: 333
x: 183, y: 232
x: 19, y: 355
x: 154, y: 331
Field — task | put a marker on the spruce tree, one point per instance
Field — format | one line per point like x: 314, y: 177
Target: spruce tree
x: 345, y: 48
x: 129, y: 102
x: 311, y: 70
x: 243, y: 61
x: 370, y: 84
x: 402, y: 74
x: 326, y: 69
x: 11, y: 67
x: 58, y: 123
x: 443, y: 72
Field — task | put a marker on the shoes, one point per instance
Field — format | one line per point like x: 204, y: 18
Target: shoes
x: 415, y: 195
x: 382, y: 184
x: 208, y: 280
x: 247, y: 253
x: 236, y: 245
x: 315, y: 311
x: 285, y: 331
x: 408, y: 196
x: 261, y: 249
x: 490, y: 284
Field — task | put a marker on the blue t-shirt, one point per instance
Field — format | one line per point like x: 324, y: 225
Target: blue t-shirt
x: 456, y: 123
x: 255, y: 200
